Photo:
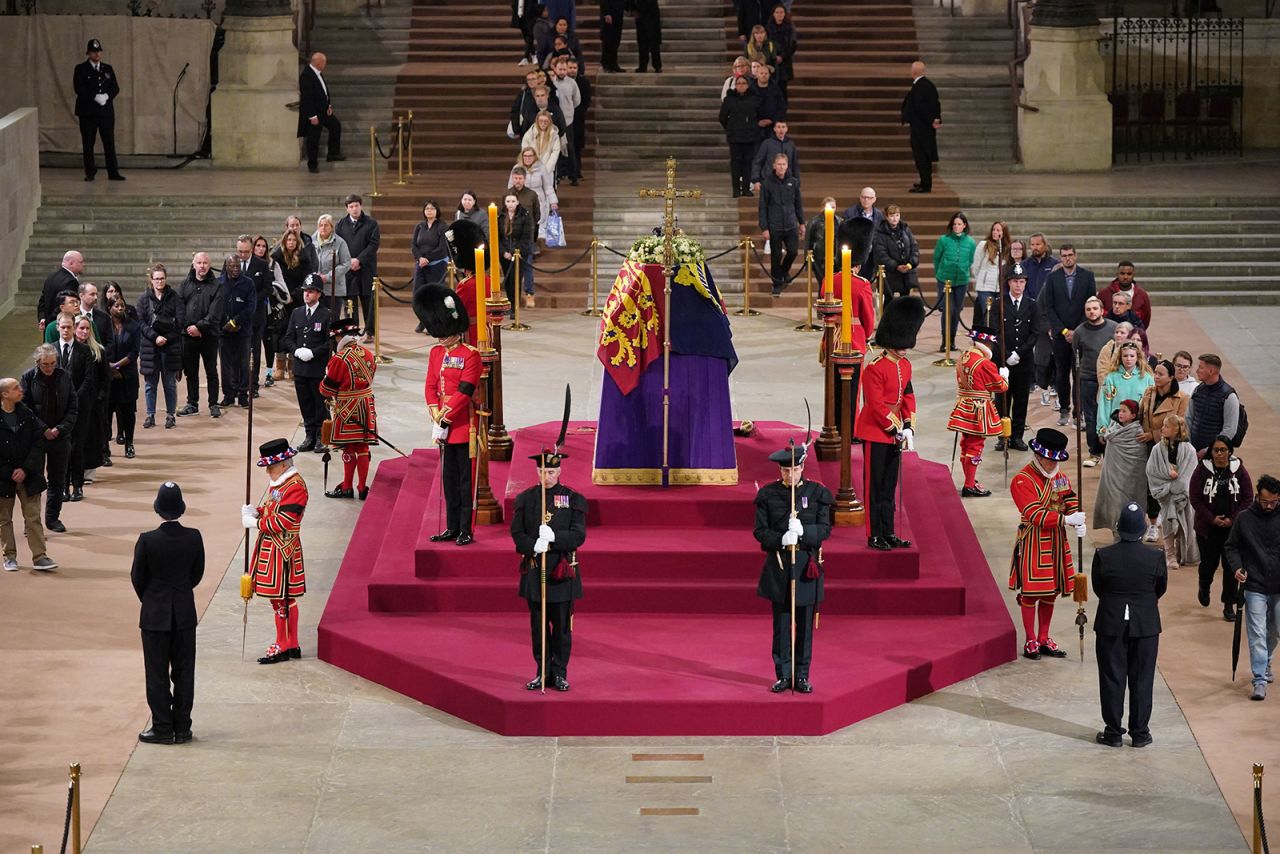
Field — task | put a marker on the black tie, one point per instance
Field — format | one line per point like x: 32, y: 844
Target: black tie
x: 1015, y: 306
x: 66, y: 354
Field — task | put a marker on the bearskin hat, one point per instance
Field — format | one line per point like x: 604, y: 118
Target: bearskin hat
x: 441, y: 310
x: 855, y: 232
x: 901, y: 322
x: 464, y: 236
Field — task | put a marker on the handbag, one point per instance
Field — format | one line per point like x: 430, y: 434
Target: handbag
x: 555, y: 231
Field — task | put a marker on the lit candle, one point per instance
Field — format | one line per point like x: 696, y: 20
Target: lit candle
x: 846, y: 294
x: 495, y: 274
x: 482, y: 293
x: 829, y: 218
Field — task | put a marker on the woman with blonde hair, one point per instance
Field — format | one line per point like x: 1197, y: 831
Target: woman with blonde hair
x: 1169, y: 470
x: 760, y: 47
x: 1128, y: 378
x: 541, y: 181
x: 88, y: 435
x: 990, y: 258
x: 544, y: 139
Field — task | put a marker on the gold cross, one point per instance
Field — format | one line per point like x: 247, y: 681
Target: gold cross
x: 669, y: 195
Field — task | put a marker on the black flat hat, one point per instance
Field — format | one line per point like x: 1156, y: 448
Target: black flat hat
x: 275, y: 451
x: 1050, y: 443
x: 790, y: 456
x: 548, y: 460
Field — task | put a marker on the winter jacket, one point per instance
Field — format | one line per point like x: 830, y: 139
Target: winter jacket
x: 478, y: 216
x: 516, y: 233
x: 770, y: 148
x: 891, y: 247
x: 543, y: 182
x: 295, y: 276
x: 165, y: 318
x: 1210, y: 496
x: 738, y: 117
x: 202, y: 302
x: 21, y: 448
x: 326, y: 265
x: 773, y: 106
x: 985, y: 273
x: 66, y: 406
x: 238, y: 303
x: 1254, y: 544
x: 548, y: 154
x: 781, y: 207
x: 126, y: 344
x: 952, y: 256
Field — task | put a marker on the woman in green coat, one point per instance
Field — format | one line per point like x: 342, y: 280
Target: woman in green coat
x: 952, y: 258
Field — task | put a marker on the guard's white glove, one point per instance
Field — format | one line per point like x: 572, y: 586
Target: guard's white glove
x: 448, y: 235
x: 249, y: 517
x: 101, y: 98
x: 1074, y: 519
x: 304, y: 353
x: 1004, y: 374
x: 790, y: 538
x: 1081, y: 530
x: 1013, y: 359
x: 439, y: 433
x: 545, y: 533
x: 907, y: 438
x: 794, y: 526
x: 540, y: 546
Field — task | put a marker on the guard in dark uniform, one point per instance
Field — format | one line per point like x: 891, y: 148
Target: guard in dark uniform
x: 778, y: 528
x: 453, y: 373
x: 1128, y: 579
x: 307, y: 338
x: 96, y: 87
x: 168, y: 563
x: 556, y: 533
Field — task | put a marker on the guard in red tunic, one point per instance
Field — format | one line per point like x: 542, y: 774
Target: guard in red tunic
x: 886, y: 421
x: 463, y: 237
x: 1042, y: 569
x: 348, y: 382
x: 278, y: 574
x: 975, y: 416
x: 856, y: 234
x: 453, y: 373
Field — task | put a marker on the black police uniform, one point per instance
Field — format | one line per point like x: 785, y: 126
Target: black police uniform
x: 568, y: 512
x: 310, y: 331
x: 97, y: 119
x: 1128, y: 579
x: 773, y: 512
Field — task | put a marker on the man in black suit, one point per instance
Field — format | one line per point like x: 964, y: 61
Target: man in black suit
x: 65, y: 278
x: 49, y: 393
x: 315, y: 112
x: 922, y: 112
x: 611, y: 17
x: 260, y: 272
x: 361, y: 233
x: 103, y: 329
x: 1066, y: 290
x: 168, y: 564
x: 96, y: 87
x: 307, y: 338
x: 1128, y: 579
x: 1021, y: 329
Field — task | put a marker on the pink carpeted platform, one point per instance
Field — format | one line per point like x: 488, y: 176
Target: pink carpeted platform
x: 670, y: 638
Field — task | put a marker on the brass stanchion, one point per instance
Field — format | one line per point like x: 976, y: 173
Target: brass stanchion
x: 75, y: 807
x: 37, y: 849
x: 849, y: 511
x: 829, y: 440
x: 946, y: 361
x: 373, y: 161
x: 488, y: 510
x: 746, y: 310
x: 594, y: 310
x: 1257, y: 815
x: 377, y: 323
x: 515, y: 325
x: 500, y: 442
x: 453, y: 275
x: 808, y: 325
x: 409, y: 153
x: 399, y: 151
x: 879, y: 290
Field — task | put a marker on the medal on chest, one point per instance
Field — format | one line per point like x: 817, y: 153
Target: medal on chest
x: 560, y: 502
x: 453, y: 362
x: 804, y: 502
x: 275, y: 494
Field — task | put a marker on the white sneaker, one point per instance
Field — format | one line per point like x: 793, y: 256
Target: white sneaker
x: 1044, y: 398
x: 1053, y: 392
x: 10, y: 565
x: 1152, y: 535
x: 1063, y: 419
x: 524, y: 60
x: 1091, y: 462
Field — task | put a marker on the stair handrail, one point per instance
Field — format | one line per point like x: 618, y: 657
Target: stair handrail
x: 1019, y: 16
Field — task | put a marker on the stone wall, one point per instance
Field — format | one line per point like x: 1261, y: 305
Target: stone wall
x: 19, y: 196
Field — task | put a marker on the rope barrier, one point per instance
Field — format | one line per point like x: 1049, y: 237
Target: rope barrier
x: 575, y: 262
x: 1260, y: 843
x: 765, y: 270
x: 1262, y: 822
x: 66, y: 822
x: 394, y: 146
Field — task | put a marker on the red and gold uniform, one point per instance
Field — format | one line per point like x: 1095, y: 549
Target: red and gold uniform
x: 1042, y: 568
x: 453, y: 374
x: 348, y: 382
x: 974, y: 416
x: 888, y: 408
x: 277, y: 567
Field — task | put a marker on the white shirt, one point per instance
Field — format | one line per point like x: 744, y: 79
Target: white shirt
x: 1188, y: 385
x: 321, y: 78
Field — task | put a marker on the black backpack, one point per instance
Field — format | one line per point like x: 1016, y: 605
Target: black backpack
x: 1242, y: 426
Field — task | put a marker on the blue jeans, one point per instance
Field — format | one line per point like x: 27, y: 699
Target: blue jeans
x: 1262, y: 622
x: 169, y: 379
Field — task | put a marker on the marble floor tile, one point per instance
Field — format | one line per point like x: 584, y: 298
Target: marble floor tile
x: 722, y: 825
x: 589, y: 773
x: 944, y: 822
x: 861, y: 770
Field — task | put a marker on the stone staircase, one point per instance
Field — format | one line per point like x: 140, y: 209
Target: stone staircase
x: 1221, y: 251
x: 120, y: 235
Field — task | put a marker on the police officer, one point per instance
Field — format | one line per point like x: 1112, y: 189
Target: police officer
x: 307, y: 338
x: 550, y: 521
x: 97, y: 87
x: 1128, y: 579
x: 792, y: 512
x: 453, y: 373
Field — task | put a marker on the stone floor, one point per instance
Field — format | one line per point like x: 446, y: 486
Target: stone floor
x: 304, y: 757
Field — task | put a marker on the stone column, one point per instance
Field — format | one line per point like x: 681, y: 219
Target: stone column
x: 257, y: 77
x: 1262, y: 83
x: 1065, y: 78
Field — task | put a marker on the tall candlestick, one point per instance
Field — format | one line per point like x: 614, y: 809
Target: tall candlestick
x: 829, y: 219
x: 495, y: 272
x: 846, y: 293
x: 482, y: 295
